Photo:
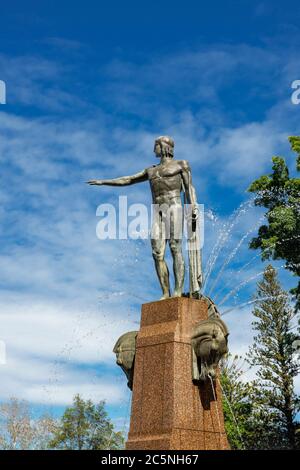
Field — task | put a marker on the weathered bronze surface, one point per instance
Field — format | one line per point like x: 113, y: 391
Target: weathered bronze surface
x: 125, y: 354
x: 209, y: 345
x: 167, y: 181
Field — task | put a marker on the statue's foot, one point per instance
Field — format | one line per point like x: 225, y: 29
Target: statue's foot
x: 177, y: 293
x: 165, y: 296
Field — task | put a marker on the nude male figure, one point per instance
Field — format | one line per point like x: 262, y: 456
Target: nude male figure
x: 167, y: 180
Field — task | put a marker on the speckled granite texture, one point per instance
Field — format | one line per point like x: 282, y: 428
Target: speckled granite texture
x: 168, y: 411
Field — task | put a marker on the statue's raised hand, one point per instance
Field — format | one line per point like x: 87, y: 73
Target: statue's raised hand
x: 95, y: 182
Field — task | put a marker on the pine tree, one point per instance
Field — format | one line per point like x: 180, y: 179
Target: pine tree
x: 272, y: 354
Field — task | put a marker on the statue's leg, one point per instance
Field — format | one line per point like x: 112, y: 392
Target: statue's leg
x: 178, y: 266
x: 175, y: 242
x: 158, y: 243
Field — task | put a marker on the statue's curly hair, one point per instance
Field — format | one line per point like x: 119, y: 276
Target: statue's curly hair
x: 167, y: 145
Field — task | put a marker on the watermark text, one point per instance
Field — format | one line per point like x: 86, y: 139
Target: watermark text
x: 2, y: 92
x: 295, y: 98
x: 167, y: 221
x: 2, y: 353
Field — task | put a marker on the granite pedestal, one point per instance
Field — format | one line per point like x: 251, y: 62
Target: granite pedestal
x: 170, y: 412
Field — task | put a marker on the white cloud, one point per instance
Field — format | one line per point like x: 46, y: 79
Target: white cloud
x: 41, y: 381
x: 53, y: 352
x: 53, y: 267
x: 32, y: 82
x: 244, y: 153
x: 56, y: 330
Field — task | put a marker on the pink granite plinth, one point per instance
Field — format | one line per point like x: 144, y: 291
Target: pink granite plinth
x: 168, y: 411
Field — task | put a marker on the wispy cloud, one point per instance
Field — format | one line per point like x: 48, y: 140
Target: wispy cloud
x: 66, y: 296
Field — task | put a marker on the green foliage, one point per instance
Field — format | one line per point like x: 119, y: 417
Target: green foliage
x: 85, y: 426
x: 261, y: 414
x: 280, y: 194
x: 272, y: 353
x: 237, y: 404
x: 247, y: 424
x: 295, y: 144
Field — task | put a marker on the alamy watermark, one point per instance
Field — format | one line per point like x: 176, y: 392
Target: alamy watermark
x: 164, y: 221
x: 2, y: 353
x: 295, y: 98
x: 2, y: 92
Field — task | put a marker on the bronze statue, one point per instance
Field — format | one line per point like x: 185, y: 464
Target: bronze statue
x: 125, y: 354
x: 209, y: 345
x: 167, y: 181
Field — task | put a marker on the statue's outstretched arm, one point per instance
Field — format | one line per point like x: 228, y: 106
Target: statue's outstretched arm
x: 123, y: 180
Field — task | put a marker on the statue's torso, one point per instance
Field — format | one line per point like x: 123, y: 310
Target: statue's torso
x: 166, y: 182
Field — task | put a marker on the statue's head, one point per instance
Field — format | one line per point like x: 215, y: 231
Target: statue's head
x: 164, y: 146
x: 209, y: 343
x: 125, y: 354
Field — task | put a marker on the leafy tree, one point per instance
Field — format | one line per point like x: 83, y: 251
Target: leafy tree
x: 272, y: 353
x: 237, y: 404
x: 85, y: 426
x: 280, y: 194
x: 20, y: 431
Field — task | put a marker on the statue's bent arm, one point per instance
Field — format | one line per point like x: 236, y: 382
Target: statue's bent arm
x: 187, y: 184
x: 123, y: 180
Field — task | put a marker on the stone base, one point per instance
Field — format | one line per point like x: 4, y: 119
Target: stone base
x: 168, y: 411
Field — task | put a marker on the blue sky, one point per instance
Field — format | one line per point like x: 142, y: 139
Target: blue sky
x: 89, y: 87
